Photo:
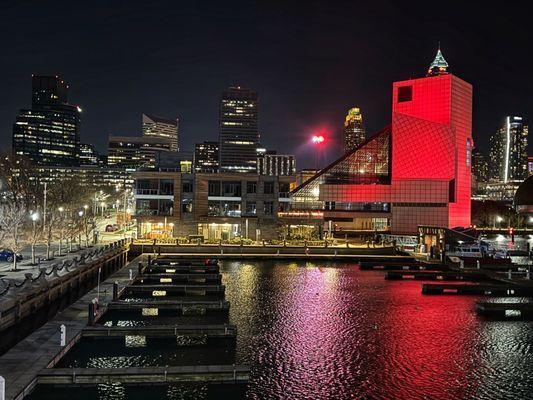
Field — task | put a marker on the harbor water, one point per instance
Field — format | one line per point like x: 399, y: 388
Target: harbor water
x: 330, y: 331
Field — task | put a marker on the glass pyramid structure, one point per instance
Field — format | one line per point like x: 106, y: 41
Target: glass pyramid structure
x: 368, y: 164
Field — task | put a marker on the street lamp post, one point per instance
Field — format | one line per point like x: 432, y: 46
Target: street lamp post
x: 61, y: 209
x: 317, y: 140
x: 34, y: 218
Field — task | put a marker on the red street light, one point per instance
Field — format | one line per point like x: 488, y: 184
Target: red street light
x: 317, y: 139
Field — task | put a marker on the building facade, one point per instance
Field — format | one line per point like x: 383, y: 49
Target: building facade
x: 132, y: 152
x: 238, y: 130
x: 353, y: 130
x: 272, y: 164
x: 414, y: 172
x: 163, y: 128
x: 88, y: 155
x: 508, y: 151
x: 206, y: 157
x: 221, y: 206
x: 48, y: 132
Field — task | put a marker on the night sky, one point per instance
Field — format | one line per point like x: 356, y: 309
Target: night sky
x: 310, y: 61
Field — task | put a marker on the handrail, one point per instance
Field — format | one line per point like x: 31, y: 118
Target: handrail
x: 66, y: 265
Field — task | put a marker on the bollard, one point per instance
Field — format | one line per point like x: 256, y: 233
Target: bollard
x: 528, y: 274
x: 478, y: 264
x: 509, y: 275
x: 63, y: 335
x: 427, y: 257
x: 131, y: 274
x: 461, y: 263
x: 2, y: 388
x: 335, y: 253
x: 115, y: 289
x: 90, y: 314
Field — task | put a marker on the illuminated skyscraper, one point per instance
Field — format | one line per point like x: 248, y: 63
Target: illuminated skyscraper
x: 238, y: 130
x: 162, y: 128
x: 480, y: 168
x: 508, y: 150
x: 206, y: 157
x: 353, y: 131
x: 439, y: 66
x: 48, y: 132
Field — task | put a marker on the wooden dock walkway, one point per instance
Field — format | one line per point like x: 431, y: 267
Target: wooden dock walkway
x: 505, y: 311
x: 197, y: 373
x: 219, y: 331
x: 221, y: 305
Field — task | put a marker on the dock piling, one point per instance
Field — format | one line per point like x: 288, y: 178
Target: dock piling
x: 2, y: 388
x: 115, y: 289
x: 63, y: 335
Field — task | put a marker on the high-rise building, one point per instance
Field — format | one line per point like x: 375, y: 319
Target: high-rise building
x: 89, y: 155
x: 164, y: 128
x: 508, y: 150
x: 480, y: 167
x: 48, y: 132
x: 132, y: 152
x: 353, y: 130
x: 272, y: 164
x: 206, y: 157
x: 238, y: 130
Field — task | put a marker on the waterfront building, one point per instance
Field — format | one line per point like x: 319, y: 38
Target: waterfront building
x: 48, y: 132
x: 414, y: 172
x: 206, y: 157
x: 508, y: 151
x: 530, y: 165
x: 132, y: 152
x: 272, y: 164
x: 167, y: 129
x: 238, y: 130
x: 353, y: 130
x: 215, y: 206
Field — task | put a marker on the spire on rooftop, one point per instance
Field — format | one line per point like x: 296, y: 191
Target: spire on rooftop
x: 439, y: 66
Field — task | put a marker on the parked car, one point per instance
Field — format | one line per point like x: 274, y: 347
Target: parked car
x: 7, y: 255
x: 111, y: 228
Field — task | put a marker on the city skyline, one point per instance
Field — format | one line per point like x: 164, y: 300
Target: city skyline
x: 296, y: 101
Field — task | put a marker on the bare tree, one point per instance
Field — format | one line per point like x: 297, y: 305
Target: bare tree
x: 13, y: 221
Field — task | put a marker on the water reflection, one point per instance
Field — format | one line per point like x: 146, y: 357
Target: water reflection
x: 332, y: 331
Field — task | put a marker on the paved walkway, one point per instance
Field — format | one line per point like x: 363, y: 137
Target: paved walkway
x: 20, y: 365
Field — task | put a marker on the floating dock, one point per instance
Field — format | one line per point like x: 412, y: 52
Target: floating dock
x: 505, y: 311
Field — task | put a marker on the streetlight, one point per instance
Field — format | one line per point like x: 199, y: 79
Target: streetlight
x: 317, y: 140
x: 61, y: 209
x: 34, y: 217
x: 499, y: 219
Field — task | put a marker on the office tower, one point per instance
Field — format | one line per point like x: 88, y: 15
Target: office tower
x: 508, y: 150
x: 206, y: 157
x: 238, y: 130
x: 353, y: 130
x: 439, y: 66
x: 48, y: 132
x: 480, y: 168
x: 133, y: 152
x: 88, y: 155
x: 272, y: 164
x: 164, y: 128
